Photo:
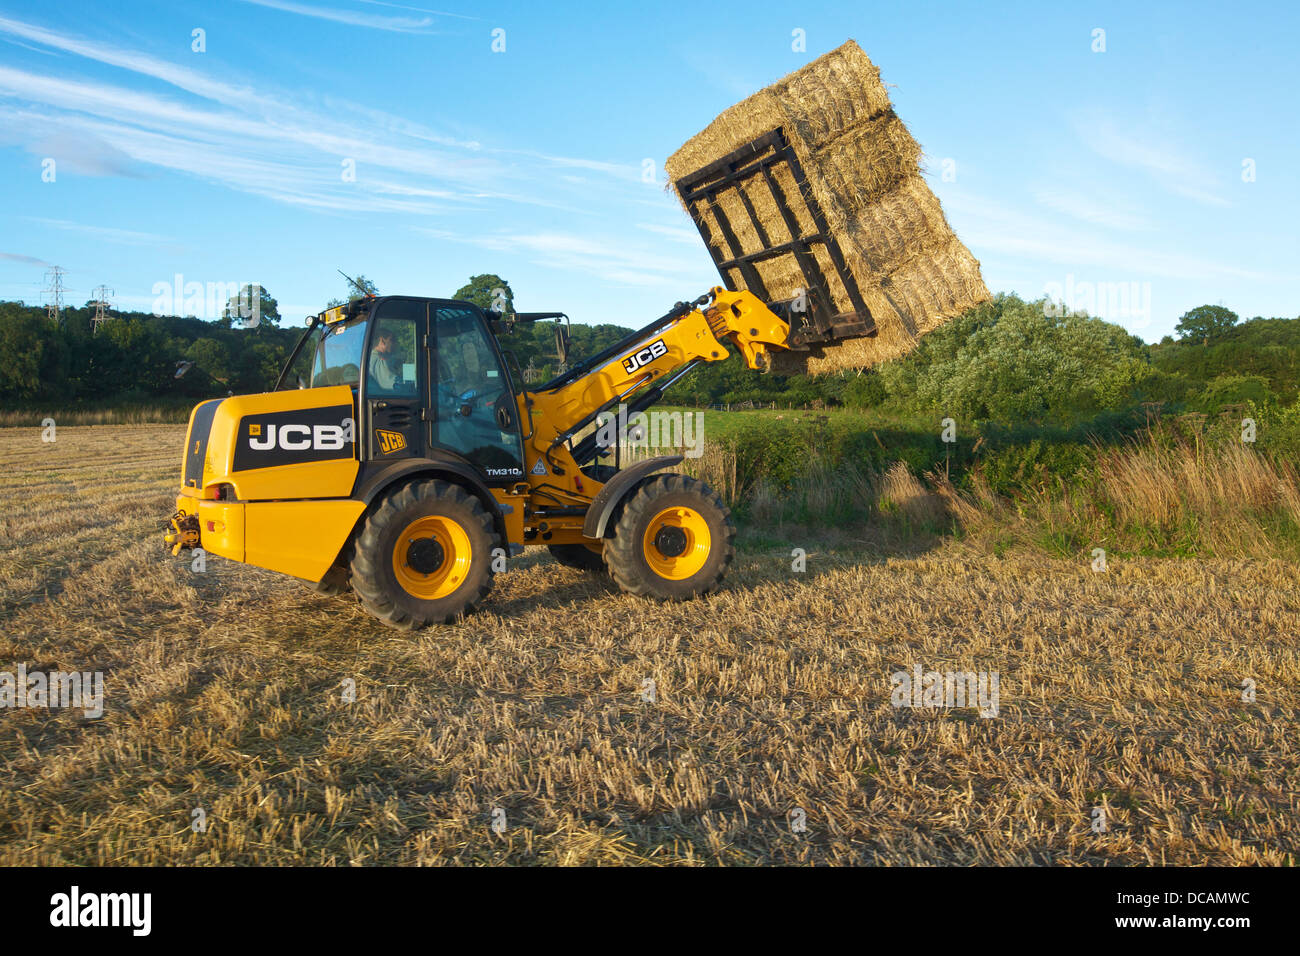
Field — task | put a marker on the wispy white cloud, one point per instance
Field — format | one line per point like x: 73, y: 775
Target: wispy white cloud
x: 1110, y: 212
x: 987, y: 226
x: 28, y: 46
x: 685, y: 236
x: 402, y: 6
x: 351, y: 18
x: 619, y: 262
x: 137, y: 62
x: 261, y: 143
x: 85, y: 154
x: 107, y: 233
x: 25, y: 260
x: 1170, y: 167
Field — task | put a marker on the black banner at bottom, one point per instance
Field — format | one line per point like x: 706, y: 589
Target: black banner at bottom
x: 336, y: 907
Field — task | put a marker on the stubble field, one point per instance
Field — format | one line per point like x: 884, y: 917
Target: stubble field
x: 225, y: 693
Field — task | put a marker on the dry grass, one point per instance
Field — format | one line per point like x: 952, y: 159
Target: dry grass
x: 122, y: 414
x: 223, y: 692
x: 1226, y: 500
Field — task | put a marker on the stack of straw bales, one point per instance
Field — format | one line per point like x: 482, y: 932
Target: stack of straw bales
x: 863, y: 169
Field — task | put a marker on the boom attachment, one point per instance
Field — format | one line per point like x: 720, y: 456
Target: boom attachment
x: 753, y: 174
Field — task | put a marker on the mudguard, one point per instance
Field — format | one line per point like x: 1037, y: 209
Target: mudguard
x: 608, y: 498
x: 374, y: 478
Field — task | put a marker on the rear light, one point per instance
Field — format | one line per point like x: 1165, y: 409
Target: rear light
x: 216, y: 527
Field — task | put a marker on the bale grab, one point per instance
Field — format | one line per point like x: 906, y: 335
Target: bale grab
x: 842, y: 216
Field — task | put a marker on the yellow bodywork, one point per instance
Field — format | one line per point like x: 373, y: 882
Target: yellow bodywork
x: 317, y: 479
x: 292, y: 518
x: 301, y: 538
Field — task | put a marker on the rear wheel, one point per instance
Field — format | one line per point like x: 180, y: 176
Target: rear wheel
x: 337, y: 580
x: 423, y: 555
x: 673, y: 541
x: 581, y: 556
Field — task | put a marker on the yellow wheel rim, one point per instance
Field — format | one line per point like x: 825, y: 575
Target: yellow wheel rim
x: 431, y: 557
x: 676, y: 543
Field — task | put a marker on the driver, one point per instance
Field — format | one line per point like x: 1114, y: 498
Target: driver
x: 381, y: 361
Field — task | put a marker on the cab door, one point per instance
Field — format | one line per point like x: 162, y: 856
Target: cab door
x: 395, y: 389
x: 473, y: 403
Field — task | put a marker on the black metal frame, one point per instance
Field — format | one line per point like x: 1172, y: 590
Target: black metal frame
x: 759, y: 159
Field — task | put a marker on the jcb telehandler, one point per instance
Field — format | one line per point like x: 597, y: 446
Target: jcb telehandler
x: 413, y: 454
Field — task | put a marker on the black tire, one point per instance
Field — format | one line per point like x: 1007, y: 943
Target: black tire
x: 628, y: 553
x: 577, y: 556
x: 337, y: 580
x: 378, y: 582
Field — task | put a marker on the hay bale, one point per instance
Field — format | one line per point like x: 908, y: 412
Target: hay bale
x: 862, y: 167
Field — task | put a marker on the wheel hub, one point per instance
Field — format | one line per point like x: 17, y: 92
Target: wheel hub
x: 425, y: 555
x: 670, y: 541
x: 432, y: 557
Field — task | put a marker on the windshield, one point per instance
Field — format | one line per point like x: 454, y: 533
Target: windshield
x: 338, y: 354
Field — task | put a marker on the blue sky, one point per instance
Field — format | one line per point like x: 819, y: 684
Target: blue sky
x: 1063, y: 168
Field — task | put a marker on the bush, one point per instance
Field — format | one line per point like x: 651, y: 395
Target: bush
x: 1234, y: 390
x: 1017, y: 361
x: 1037, y: 465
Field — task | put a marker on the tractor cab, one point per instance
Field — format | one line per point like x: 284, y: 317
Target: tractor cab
x: 427, y: 377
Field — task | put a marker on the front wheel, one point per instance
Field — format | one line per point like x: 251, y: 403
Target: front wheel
x: 673, y: 541
x: 423, y: 555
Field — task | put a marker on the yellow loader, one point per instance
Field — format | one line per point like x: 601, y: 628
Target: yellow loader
x: 415, y: 461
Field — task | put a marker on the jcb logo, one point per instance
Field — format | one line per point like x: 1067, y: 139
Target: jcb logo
x: 654, y: 350
x: 390, y: 441
x: 297, y: 437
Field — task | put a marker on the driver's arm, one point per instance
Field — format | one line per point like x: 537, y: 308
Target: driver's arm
x: 382, y: 372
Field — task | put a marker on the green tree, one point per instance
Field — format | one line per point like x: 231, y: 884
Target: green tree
x: 239, y: 307
x: 1235, y: 390
x: 134, y: 358
x: 23, y: 342
x: 358, y: 288
x: 1206, y: 322
x: 1011, y: 362
x: 487, y: 291
x: 212, y: 358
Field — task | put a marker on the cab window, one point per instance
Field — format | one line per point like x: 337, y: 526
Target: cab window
x: 338, y: 354
x: 473, y: 403
x: 392, y: 368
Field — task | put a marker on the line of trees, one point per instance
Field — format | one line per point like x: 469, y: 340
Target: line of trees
x: 1008, y: 360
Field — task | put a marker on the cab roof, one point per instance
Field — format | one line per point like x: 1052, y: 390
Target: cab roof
x: 357, y: 307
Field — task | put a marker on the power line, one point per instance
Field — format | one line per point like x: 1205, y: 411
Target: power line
x: 54, y: 305
x: 102, y: 307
